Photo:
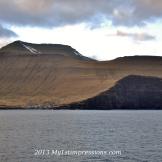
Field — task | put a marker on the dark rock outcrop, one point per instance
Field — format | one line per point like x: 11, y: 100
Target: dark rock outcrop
x: 131, y: 92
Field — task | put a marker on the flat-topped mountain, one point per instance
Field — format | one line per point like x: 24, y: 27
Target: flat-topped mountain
x: 22, y: 48
x: 49, y: 75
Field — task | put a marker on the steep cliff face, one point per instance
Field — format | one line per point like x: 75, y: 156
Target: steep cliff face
x: 131, y: 92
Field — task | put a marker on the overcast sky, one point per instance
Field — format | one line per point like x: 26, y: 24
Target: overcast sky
x: 104, y: 29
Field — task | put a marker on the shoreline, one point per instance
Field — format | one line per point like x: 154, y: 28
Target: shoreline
x: 57, y: 109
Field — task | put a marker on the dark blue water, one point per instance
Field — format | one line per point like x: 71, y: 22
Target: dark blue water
x: 137, y: 134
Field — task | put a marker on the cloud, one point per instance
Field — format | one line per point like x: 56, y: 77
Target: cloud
x: 51, y: 13
x: 6, y: 33
x: 136, y: 36
x: 33, y: 7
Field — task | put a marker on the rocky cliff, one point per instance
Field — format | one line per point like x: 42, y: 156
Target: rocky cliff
x: 131, y: 92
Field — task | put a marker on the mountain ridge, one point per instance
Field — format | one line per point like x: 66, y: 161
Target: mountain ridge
x: 53, y: 80
x: 19, y: 47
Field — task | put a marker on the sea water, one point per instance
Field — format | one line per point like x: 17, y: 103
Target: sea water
x: 80, y: 136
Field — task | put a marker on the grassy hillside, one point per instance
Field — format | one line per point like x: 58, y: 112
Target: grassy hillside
x: 60, y: 77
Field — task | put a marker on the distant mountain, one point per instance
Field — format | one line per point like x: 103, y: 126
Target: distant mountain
x: 21, y: 48
x: 54, y: 76
x: 131, y: 92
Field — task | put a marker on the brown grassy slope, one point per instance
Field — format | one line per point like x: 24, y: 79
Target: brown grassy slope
x: 58, y: 79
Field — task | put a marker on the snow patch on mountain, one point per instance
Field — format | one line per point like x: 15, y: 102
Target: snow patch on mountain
x: 77, y: 53
x: 31, y: 49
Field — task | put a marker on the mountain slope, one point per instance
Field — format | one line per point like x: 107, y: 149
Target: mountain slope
x: 33, y: 75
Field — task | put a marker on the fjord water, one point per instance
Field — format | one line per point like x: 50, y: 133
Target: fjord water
x: 138, y: 134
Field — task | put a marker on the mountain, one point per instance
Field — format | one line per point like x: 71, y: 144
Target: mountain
x: 52, y: 75
x: 24, y: 48
x: 131, y: 92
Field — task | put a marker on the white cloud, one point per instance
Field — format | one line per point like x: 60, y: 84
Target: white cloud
x: 136, y: 36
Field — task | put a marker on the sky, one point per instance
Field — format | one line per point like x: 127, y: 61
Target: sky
x: 102, y: 29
